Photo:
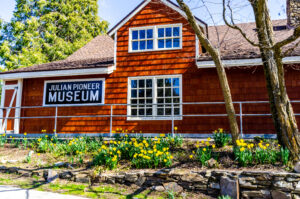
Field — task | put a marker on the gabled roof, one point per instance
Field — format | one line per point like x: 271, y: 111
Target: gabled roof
x: 96, y: 57
x: 142, y: 5
x: 232, y: 44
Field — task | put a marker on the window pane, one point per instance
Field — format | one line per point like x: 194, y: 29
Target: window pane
x: 149, y: 93
x: 150, y: 44
x: 142, y: 34
x: 135, y: 34
x: 168, y: 82
x: 150, y: 33
x: 176, y: 111
x: 160, y: 101
x: 168, y: 32
x: 168, y: 92
x: 175, y: 81
x: 161, y: 43
x: 176, y: 43
x: 160, y: 92
x: 134, y: 112
x: 141, y: 101
x: 149, y: 101
x: 141, y: 111
x: 135, y: 45
x: 160, y: 83
x: 141, y: 83
x: 141, y: 93
x: 133, y: 83
x: 133, y: 93
x: 160, y: 111
x: 169, y: 43
x: 168, y: 111
x: 176, y: 92
x: 149, y: 83
x: 149, y: 111
x: 142, y: 45
x: 161, y: 32
x: 176, y: 32
x: 133, y: 101
x: 176, y: 100
x: 168, y: 100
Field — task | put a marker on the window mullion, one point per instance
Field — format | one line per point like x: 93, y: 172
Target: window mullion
x: 154, y: 94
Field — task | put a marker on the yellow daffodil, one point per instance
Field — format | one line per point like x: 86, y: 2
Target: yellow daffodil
x: 208, y: 139
x: 242, y: 149
x: 162, y: 135
x: 204, y: 149
x: 25, y: 134
x: 213, y: 146
x: 191, y: 156
x: 175, y: 128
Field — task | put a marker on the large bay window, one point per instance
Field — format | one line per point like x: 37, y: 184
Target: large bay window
x: 157, y: 97
x: 151, y: 38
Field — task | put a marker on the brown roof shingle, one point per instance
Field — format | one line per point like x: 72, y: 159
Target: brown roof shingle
x: 98, y: 53
x: 232, y: 45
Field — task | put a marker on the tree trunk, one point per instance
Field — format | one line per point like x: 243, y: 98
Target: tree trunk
x: 281, y: 108
x: 220, y: 70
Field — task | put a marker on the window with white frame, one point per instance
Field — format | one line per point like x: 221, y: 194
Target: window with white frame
x: 154, y: 97
x: 162, y: 37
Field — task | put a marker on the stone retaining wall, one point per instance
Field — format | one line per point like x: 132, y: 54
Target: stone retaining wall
x: 238, y: 184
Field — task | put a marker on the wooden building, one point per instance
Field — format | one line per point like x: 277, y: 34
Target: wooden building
x: 151, y: 74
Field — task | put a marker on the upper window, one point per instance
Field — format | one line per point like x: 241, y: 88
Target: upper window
x: 163, y: 37
x: 154, y: 97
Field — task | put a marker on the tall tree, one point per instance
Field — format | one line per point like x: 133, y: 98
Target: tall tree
x: 48, y: 30
x: 216, y: 56
x: 272, y: 54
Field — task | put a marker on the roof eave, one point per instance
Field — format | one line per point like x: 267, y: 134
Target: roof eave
x: 245, y: 62
x: 57, y: 73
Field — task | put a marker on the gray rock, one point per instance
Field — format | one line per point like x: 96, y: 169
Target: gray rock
x: 24, y: 173
x: 229, y: 187
x: 68, y: 175
x: 141, y: 180
x: 60, y: 164
x: 296, y: 196
x: 110, y: 180
x: 14, y: 170
x: 196, y: 178
x: 158, y: 188
x: 256, y: 194
x: 212, y: 163
x: 131, y: 177
x: 297, y: 167
x: 173, y: 186
x: 276, y: 194
x: 285, y: 186
x: 82, y: 178
x: 50, y: 175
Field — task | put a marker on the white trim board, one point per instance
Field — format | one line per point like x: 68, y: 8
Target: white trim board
x: 166, y: 2
x: 246, y: 62
x: 56, y: 73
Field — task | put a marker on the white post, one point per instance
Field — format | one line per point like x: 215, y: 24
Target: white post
x: 55, y: 120
x: 241, y: 119
x: 111, y: 120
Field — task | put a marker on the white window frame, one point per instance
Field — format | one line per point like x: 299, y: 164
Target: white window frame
x: 155, y: 38
x: 73, y: 80
x: 154, y: 99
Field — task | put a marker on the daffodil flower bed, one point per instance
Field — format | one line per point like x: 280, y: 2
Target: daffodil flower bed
x: 158, y: 152
x: 261, y: 153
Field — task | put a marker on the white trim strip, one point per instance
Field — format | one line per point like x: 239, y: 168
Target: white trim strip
x: 18, y: 104
x: 60, y: 73
x: 245, y: 62
x: 113, y: 31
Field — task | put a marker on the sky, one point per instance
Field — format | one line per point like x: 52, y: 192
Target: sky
x: 115, y: 10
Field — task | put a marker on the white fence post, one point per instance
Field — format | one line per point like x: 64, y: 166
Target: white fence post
x: 111, y: 120
x: 241, y: 120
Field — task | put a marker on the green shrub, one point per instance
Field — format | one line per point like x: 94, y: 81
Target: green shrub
x: 224, y: 197
x: 220, y: 138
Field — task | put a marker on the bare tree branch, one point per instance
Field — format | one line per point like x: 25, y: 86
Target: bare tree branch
x: 233, y: 26
x: 291, y: 49
x: 290, y: 39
